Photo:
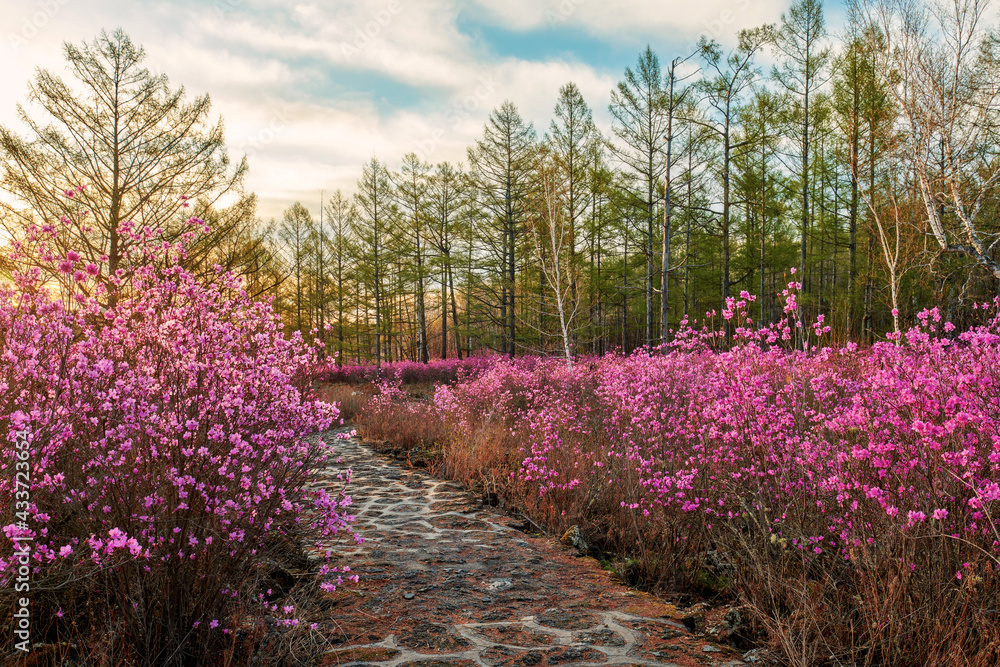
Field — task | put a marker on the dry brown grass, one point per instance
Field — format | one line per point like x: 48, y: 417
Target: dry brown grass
x: 351, y: 398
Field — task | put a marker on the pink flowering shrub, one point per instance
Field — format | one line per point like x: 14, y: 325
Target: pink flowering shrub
x: 167, y: 463
x: 397, y: 418
x: 848, y: 498
x: 437, y: 371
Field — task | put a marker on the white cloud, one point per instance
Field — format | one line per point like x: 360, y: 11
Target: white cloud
x: 415, y: 44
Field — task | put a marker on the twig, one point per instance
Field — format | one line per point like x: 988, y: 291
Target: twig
x: 539, y: 528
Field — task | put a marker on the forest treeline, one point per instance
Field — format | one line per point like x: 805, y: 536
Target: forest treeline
x: 864, y: 159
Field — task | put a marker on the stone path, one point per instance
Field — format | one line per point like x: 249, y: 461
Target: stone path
x: 446, y: 581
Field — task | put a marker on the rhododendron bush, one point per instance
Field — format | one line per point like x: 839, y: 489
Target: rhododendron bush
x: 168, y: 461
x: 407, y: 372
x: 848, y: 498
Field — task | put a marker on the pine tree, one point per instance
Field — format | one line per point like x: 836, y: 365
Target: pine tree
x: 639, y: 123
x: 373, y: 229
x: 500, y: 165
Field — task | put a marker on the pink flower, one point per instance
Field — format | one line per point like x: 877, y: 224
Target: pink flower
x: 118, y: 538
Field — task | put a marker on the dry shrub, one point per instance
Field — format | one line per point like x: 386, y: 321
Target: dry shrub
x: 393, y: 420
x: 885, y: 606
x: 351, y: 398
x: 485, y: 463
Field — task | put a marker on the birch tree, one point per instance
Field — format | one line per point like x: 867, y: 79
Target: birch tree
x: 941, y: 66
x: 552, y: 237
x: 572, y: 136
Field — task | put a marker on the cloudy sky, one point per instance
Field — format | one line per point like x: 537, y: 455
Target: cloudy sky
x: 311, y: 90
